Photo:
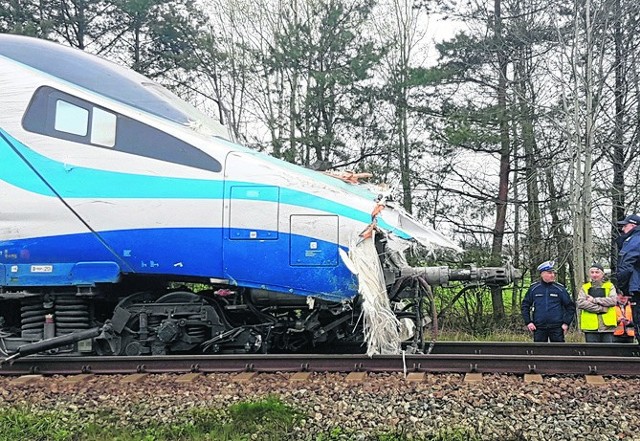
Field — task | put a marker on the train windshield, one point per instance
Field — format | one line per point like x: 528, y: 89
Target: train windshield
x: 108, y: 79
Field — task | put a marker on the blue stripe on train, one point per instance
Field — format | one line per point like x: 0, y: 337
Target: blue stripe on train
x: 192, y: 252
x: 81, y: 182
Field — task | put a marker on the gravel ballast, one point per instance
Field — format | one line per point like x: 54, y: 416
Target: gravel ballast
x: 500, y: 407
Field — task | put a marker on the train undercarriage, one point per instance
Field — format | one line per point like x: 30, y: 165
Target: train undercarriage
x: 214, y: 321
x: 217, y: 320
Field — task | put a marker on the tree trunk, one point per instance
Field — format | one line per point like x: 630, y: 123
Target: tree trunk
x: 531, y: 155
x: 503, y: 185
x: 617, y: 149
x: 561, y: 247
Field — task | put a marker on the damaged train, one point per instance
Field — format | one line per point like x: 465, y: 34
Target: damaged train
x: 115, y: 196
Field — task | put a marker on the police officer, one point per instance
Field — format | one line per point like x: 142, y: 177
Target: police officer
x: 547, y: 308
x: 628, y: 269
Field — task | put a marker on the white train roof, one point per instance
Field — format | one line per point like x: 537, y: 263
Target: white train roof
x: 103, y: 77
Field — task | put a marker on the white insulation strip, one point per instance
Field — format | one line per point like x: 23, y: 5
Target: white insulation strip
x: 380, y: 324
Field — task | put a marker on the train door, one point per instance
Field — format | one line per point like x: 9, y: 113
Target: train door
x: 254, y: 251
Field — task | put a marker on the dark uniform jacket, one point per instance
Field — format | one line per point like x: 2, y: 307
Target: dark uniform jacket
x: 548, y: 305
x: 628, y: 270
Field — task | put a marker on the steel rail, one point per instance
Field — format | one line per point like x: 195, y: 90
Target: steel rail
x: 518, y: 348
x: 529, y: 348
x: 450, y: 363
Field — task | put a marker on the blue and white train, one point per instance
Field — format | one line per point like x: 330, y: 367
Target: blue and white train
x: 112, y: 190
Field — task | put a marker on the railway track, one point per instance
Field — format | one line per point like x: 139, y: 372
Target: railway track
x: 527, y: 348
x: 453, y: 357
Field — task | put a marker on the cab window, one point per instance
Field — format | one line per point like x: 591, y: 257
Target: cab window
x: 70, y: 118
x: 103, y: 128
x: 60, y: 115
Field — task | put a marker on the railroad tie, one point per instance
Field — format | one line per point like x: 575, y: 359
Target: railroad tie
x: 473, y: 377
x: 356, y: 377
x: 77, y: 379
x: 134, y: 378
x: 532, y: 378
x: 300, y: 376
x: 244, y: 377
x: 416, y: 377
x: 595, y: 380
x: 26, y: 379
x: 188, y: 378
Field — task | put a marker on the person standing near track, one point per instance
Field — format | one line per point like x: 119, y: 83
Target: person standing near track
x: 625, y: 331
x: 547, y: 308
x: 596, y: 301
x: 628, y: 270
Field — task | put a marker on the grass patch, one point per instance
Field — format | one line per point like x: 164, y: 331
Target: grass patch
x: 22, y: 424
x: 263, y: 419
x: 573, y: 336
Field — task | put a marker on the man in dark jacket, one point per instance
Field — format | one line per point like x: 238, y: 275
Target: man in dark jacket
x: 547, y: 307
x: 628, y: 269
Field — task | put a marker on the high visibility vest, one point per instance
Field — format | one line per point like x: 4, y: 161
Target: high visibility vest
x: 589, y: 320
x: 623, y: 314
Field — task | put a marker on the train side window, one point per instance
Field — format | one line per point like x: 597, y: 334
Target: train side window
x: 70, y: 118
x: 54, y: 113
x: 103, y: 128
